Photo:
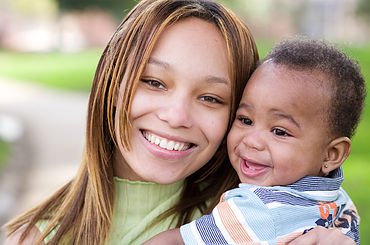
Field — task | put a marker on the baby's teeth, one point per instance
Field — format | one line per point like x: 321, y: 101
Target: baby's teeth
x: 157, y: 141
x: 170, y: 145
x: 176, y: 147
x: 163, y: 143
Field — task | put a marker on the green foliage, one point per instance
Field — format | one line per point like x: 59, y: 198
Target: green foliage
x: 363, y: 8
x: 118, y: 7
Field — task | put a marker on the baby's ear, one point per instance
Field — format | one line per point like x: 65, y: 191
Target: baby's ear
x: 337, y: 152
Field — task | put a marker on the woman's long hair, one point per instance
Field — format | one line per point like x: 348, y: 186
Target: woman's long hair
x: 81, y: 211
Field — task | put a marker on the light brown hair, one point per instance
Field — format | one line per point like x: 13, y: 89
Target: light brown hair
x: 82, y: 210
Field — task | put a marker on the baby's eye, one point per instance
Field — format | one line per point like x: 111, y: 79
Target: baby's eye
x: 245, y: 120
x: 210, y: 99
x: 280, y: 132
x: 153, y: 83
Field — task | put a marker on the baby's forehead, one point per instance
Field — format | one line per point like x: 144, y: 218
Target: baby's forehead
x: 291, y: 85
x: 308, y: 76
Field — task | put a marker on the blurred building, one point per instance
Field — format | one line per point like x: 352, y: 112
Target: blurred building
x: 48, y: 30
x: 334, y: 20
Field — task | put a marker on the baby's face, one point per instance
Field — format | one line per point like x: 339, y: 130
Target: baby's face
x: 279, y: 134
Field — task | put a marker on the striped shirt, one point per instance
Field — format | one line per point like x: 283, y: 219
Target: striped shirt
x: 254, y: 214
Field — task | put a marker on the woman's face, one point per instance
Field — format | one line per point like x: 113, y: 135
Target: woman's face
x: 180, y: 110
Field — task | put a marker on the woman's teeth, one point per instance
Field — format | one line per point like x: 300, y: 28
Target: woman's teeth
x: 165, y: 143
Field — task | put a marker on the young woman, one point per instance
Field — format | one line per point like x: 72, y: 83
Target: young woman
x: 163, y: 97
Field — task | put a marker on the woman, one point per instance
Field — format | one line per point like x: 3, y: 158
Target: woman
x: 163, y: 97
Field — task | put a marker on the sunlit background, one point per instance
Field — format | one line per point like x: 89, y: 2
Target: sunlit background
x: 49, y: 50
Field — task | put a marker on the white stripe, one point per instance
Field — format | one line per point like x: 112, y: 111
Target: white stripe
x: 221, y: 226
x: 243, y: 222
x: 322, y: 193
x: 274, y: 205
x: 288, y: 192
x: 196, y: 234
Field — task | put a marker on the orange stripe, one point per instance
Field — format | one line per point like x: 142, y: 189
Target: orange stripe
x: 233, y: 226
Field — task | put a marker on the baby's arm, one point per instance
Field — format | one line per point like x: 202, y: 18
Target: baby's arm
x: 167, y: 237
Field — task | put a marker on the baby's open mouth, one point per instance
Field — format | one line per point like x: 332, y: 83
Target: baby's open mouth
x: 253, y: 165
x: 166, y: 143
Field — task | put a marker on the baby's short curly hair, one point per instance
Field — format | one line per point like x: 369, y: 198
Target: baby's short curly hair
x: 347, y: 83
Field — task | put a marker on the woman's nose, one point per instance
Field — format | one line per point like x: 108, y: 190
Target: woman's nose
x: 177, y: 112
x: 253, y: 139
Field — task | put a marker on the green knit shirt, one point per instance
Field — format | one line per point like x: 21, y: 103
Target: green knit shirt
x: 136, y: 205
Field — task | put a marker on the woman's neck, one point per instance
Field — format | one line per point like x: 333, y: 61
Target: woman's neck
x: 121, y: 169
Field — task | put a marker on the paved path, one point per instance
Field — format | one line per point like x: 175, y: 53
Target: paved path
x: 50, y: 149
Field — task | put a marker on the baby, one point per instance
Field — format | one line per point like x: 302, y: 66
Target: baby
x: 287, y: 144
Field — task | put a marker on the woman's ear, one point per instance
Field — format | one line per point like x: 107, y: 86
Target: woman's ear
x: 337, y: 152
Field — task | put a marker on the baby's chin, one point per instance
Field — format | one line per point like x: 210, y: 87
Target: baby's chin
x: 266, y: 182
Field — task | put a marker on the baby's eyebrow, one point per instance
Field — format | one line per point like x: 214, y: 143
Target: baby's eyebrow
x: 280, y: 114
x: 245, y: 106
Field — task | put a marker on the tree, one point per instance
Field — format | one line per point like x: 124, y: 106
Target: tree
x: 117, y: 7
x: 364, y: 8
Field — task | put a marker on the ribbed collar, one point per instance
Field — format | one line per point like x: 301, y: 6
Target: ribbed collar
x: 135, y: 200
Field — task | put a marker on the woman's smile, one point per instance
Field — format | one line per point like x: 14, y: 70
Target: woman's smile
x: 164, y: 148
x: 164, y: 143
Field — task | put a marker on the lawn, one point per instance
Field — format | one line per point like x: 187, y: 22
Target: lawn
x: 357, y: 167
x: 75, y: 71
x: 4, y: 152
x: 62, y: 70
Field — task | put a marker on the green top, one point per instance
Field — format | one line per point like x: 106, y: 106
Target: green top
x: 136, y: 205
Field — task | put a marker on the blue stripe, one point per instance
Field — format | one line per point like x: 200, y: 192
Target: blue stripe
x: 331, y: 182
x: 269, y: 196
x: 209, y: 231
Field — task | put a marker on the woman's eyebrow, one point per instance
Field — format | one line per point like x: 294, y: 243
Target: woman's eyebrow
x: 209, y: 78
x: 158, y: 62
x: 218, y: 79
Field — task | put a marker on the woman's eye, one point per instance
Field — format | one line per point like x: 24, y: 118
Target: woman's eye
x: 210, y: 99
x: 245, y: 120
x: 153, y: 83
x: 280, y: 132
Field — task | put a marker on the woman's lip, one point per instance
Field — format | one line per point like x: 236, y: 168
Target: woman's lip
x: 251, y: 168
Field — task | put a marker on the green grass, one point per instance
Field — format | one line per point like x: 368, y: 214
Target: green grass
x: 4, y: 152
x: 75, y: 71
x: 357, y: 166
x: 60, y: 70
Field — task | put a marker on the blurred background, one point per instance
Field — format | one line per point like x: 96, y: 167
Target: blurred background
x: 49, y: 50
